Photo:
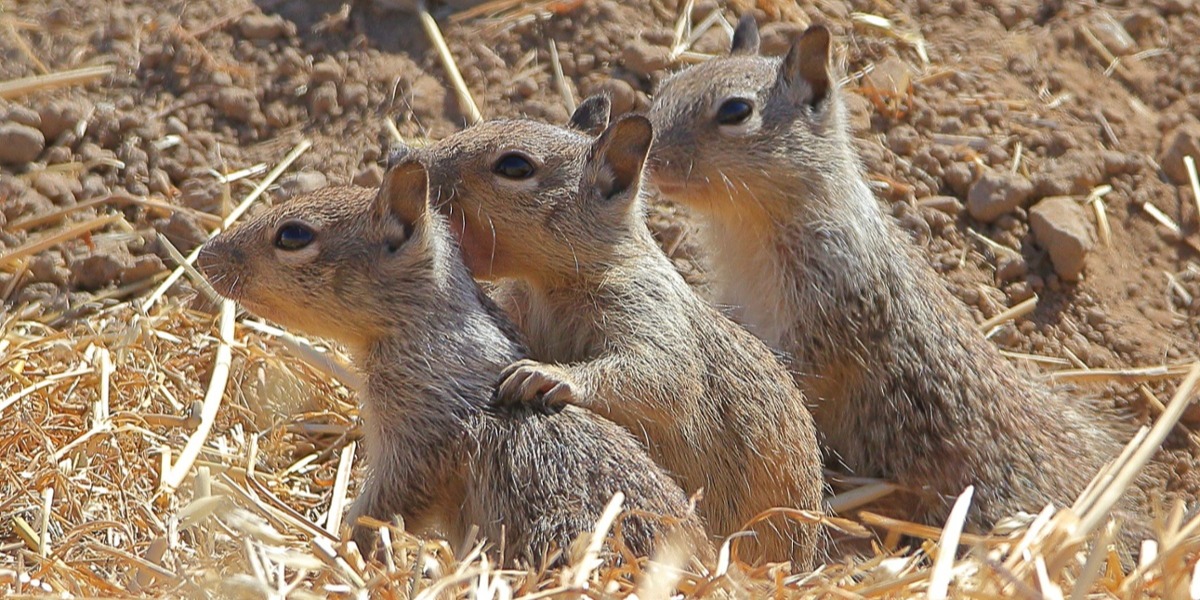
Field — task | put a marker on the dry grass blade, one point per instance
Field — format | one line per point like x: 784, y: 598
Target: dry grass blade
x: 212, y: 402
x: 465, y: 101
x: 590, y: 560
x: 1120, y: 375
x: 939, y: 581
x: 1013, y: 313
x: 1137, y: 460
x: 1190, y: 164
x: 340, y: 486
x: 55, y: 239
x: 27, y: 85
x: 560, y: 80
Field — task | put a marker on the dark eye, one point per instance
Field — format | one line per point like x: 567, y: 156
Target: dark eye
x: 734, y: 111
x: 513, y: 166
x: 294, y: 236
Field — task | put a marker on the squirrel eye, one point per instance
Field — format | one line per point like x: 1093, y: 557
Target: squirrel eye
x: 294, y: 236
x: 734, y: 111
x: 513, y: 166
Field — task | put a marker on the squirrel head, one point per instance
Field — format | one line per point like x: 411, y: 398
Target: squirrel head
x: 532, y: 201
x: 345, y: 263
x: 744, y: 122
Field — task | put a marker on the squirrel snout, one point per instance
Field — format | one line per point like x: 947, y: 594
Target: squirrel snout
x: 216, y: 261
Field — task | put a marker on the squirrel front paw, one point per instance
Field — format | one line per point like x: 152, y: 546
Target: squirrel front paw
x: 532, y: 382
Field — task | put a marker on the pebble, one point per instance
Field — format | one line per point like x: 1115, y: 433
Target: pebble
x: 644, y: 58
x: 303, y: 182
x: 370, y: 176
x: 958, y: 177
x: 622, y: 95
x: 1060, y: 225
x: 323, y: 100
x: 202, y: 194
x: 143, y: 266
x: 20, y: 144
x: 49, y: 267
x: 59, y: 116
x: 903, y: 140
x: 776, y: 38
x: 947, y: 204
x: 94, y: 271
x: 23, y: 115
x: 1074, y: 173
x: 182, y: 231
x: 997, y: 193
x: 326, y: 71
x: 1182, y: 141
x: 60, y: 189
x: 237, y: 104
x: 265, y: 27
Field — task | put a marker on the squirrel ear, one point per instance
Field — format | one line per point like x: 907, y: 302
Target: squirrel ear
x: 745, y: 36
x: 591, y: 116
x: 405, y: 191
x: 808, y: 61
x: 616, y: 159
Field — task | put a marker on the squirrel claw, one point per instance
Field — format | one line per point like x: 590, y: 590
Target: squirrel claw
x: 531, y: 382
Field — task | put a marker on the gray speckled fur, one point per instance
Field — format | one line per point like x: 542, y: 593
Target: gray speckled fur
x: 431, y: 345
x: 595, y: 295
x: 905, y: 385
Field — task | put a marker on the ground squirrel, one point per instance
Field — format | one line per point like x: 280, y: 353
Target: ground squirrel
x: 904, y: 384
x: 380, y: 273
x: 618, y: 330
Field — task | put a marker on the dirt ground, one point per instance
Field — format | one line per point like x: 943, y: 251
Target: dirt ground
x: 974, y: 117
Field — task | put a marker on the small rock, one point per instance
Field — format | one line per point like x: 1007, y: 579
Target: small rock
x: 644, y: 58
x: 60, y: 189
x: 776, y: 38
x: 94, y: 271
x: 891, y: 76
x: 302, y: 183
x: 354, y: 95
x: 25, y: 203
x: 323, y: 100
x: 1075, y: 172
x: 526, y: 87
x: 20, y: 144
x: 202, y: 194
x: 49, y: 267
x: 370, y: 176
x: 1120, y: 163
x: 264, y: 27
x: 958, y: 177
x: 1182, y: 141
x: 1011, y: 268
x: 59, y: 116
x: 237, y: 104
x: 327, y: 70
x: 23, y: 115
x: 622, y: 95
x: 903, y: 140
x: 997, y: 193
x: 947, y: 204
x: 143, y: 266
x: 858, y: 113
x: 1061, y: 226
x: 182, y: 231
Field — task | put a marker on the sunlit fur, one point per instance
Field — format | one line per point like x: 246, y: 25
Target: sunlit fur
x: 593, y: 292
x: 905, y: 386
x: 431, y: 346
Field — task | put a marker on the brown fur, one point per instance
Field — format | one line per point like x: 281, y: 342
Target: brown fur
x: 906, y: 386
x: 620, y: 332
x: 383, y: 277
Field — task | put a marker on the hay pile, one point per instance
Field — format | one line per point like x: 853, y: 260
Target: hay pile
x: 160, y: 447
